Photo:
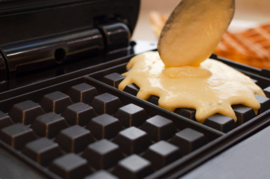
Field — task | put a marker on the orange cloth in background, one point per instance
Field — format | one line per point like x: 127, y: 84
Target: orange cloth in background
x: 250, y: 47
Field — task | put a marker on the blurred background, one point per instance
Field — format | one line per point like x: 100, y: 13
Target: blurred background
x: 249, y: 13
x: 246, y: 41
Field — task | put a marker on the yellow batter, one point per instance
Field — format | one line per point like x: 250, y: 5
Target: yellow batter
x: 188, y: 80
x: 211, y: 88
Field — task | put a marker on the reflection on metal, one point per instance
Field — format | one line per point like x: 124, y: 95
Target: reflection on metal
x: 39, y: 53
x: 3, y: 70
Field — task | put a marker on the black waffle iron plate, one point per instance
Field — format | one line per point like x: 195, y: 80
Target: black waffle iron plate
x: 62, y: 116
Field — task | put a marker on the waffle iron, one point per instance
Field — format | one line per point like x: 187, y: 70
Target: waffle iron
x: 62, y: 116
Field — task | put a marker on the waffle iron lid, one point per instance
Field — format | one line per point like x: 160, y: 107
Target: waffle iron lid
x: 41, y: 33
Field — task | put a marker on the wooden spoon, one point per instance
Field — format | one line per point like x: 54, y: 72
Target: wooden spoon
x: 193, y: 31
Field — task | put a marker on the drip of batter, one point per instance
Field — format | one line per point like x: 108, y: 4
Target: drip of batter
x: 211, y: 88
x: 180, y: 73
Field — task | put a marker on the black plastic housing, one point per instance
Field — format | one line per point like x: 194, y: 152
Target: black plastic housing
x: 24, y: 20
x: 36, y: 34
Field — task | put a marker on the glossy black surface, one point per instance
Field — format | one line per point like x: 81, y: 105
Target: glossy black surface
x: 133, y: 167
x: 22, y: 23
x: 74, y: 139
x: 30, y: 80
x: 79, y: 114
x: 104, y: 126
x: 5, y: 120
x: 131, y: 115
x: 188, y: 140
x: 106, y: 103
x: 52, y: 134
x: 52, y: 50
x: 55, y: 102
x: 132, y: 140
x: 49, y: 125
x: 82, y: 93
x: 3, y: 70
x: 102, y: 154
x: 159, y: 128
x: 42, y: 151
x: 70, y: 166
x: 264, y: 102
x: 32, y: 40
x: 25, y: 112
x: 17, y: 135
x: 113, y: 79
x: 162, y: 154
x: 116, y: 36
x: 220, y: 122
x: 243, y: 113
x: 102, y: 174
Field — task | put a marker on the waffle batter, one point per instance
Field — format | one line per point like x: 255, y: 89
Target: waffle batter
x: 211, y: 88
x: 180, y: 73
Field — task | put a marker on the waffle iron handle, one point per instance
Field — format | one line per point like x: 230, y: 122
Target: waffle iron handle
x: 42, y: 52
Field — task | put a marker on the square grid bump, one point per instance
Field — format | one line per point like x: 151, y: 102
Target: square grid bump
x: 49, y: 125
x: 82, y: 93
x: 42, y: 150
x: 25, y: 112
x: 5, y: 120
x: 79, y: 114
x: 104, y: 126
x: 102, y: 154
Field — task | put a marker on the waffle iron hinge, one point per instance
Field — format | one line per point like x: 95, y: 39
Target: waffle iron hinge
x: 33, y: 54
x: 116, y: 37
